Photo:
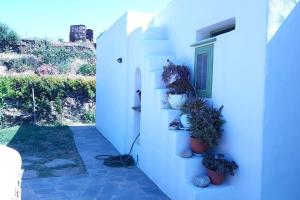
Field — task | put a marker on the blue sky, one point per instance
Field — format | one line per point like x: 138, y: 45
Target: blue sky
x: 52, y: 18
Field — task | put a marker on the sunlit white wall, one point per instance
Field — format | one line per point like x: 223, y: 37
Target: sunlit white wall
x: 278, y: 12
x: 281, y: 147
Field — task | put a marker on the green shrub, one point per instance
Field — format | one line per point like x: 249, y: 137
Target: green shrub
x: 87, y: 70
x: 2, y: 117
x: 23, y: 64
x: 52, y: 55
x: 47, y: 89
x: 59, y: 55
x: 89, y: 117
x: 8, y: 38
x: 64, y: 68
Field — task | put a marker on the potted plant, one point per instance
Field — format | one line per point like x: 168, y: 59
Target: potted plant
x: 190, y: 107
x: 218, y: 167
x: 177, y: 80
x: 206, y: 122
x: 185, y: 121
x: 178, y: 93
x: 174, y: 72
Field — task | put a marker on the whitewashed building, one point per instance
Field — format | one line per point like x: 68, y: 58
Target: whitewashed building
x: 255, y: 62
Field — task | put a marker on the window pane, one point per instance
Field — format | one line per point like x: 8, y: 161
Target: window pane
x: 202, y: 62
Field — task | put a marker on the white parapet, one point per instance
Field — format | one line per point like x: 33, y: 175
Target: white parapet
x: 10, y: 174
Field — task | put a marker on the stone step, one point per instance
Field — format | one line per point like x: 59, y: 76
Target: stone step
x: 157, y: 47
x: 157, y: 80
x: 215, y: 192
x: 162, y: 97
x: 157, y: 62
x: 156, y: 33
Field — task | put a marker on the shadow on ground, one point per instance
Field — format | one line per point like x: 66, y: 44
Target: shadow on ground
x: 46, y: 151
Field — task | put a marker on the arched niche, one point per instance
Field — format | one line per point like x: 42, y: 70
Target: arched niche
x: 137, y: 92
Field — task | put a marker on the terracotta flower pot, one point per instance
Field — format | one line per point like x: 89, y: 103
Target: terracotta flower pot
x: 216, y: 178
x: 198, y: 146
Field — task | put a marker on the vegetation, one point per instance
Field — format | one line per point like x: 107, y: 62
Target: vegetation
x: 89, y: 117
x: 174, y: 72
x: 219, y: 164
x: 181, y: 86
x: 44, y: 143
x: 41, y: 64
x: 23, y: 64
x: 177, y: 79
x: 59, y: 58
x: 206, y: 121
x: 87, y: 70
x: 58, y: 55
x: 8, y: 38
x: 48, y: 90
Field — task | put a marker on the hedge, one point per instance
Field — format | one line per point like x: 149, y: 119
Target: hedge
x: 47, y: 89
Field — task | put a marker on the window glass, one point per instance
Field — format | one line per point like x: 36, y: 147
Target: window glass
x: 203, y: 70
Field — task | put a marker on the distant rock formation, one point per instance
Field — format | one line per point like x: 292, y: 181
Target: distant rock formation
x: 89, y: 35
x: 80, y: 33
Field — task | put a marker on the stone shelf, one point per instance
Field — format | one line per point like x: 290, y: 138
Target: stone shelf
x: 136, y: 108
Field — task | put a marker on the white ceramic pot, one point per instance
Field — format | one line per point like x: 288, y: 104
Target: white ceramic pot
x: 177, y: 100
x: 184, y: 119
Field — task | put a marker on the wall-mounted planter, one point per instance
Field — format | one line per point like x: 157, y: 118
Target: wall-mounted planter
x: 217, y: 178
x: 176, y: 101
x: 198, y: 146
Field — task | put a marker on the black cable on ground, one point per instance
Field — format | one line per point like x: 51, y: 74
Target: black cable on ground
x: 125, y: 160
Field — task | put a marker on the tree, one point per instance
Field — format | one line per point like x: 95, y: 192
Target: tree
x: 8, y: 38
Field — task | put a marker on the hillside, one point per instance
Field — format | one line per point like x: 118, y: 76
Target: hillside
x: 46, y: 82
x: 43, y: 57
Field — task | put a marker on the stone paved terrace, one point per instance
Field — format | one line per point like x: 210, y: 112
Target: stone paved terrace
x: 101, y: 182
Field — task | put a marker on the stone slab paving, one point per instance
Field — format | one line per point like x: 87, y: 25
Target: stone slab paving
x: 101, y: 182
x: 59, y: 162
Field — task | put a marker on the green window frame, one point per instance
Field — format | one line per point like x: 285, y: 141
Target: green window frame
x: 203, y: 70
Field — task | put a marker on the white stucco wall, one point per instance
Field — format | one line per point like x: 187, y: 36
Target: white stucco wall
x: 110, y: 110
x: 112, y: 78
x: 281, y: 133
x: 238, y: 84
x: 238, y: 77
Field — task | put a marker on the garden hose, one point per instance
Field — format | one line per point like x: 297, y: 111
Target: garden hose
x: 125, y: 160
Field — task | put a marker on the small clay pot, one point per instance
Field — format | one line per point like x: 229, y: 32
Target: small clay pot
x: 216, y: 178
x: 198, y: 146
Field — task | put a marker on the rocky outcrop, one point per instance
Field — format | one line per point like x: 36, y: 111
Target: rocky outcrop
x: 90, y: 35
x: 77, y: 33
x: 80, y: 33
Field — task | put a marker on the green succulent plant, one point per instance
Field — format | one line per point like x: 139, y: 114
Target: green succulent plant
x: 206, y: 121
x: 219, y: 164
